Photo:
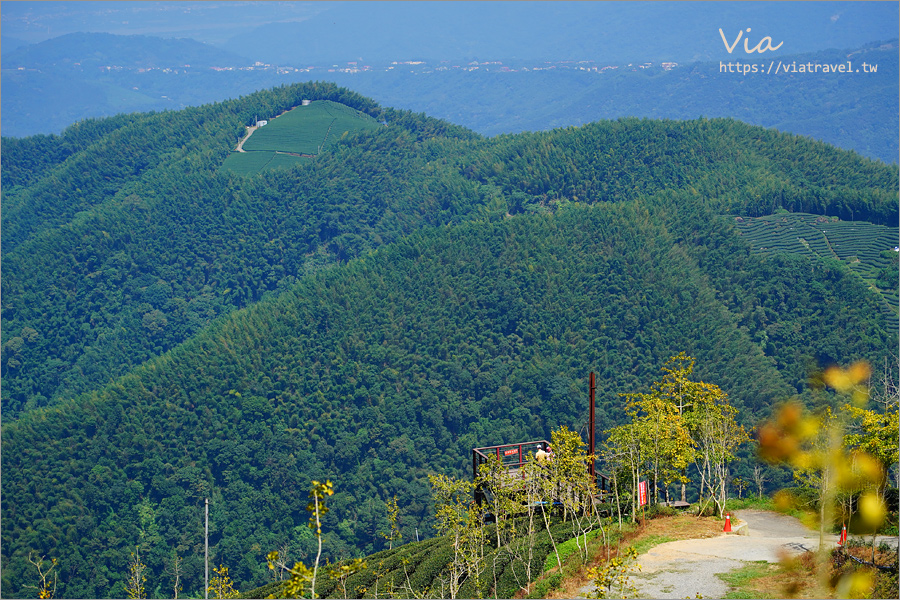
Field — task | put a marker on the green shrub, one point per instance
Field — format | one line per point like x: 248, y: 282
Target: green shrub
x: 764, y: 503
x: 551, y: 582
x: 660, y: 510
x: 567, y: 548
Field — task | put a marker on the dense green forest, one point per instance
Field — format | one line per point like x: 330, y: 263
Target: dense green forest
x: 158, y: 242
x: 413, y: 293
x: 148, y: 252
x: 376, y: 374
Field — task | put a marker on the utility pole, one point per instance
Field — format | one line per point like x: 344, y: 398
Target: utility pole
x: 206, y: 553
x: 591, y: 429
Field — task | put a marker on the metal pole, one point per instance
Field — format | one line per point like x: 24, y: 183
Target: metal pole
x: 591, y: 428
x: 206, y: 553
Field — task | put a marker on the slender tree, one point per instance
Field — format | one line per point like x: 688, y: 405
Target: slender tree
x: 174, y: 570
x: 393, y: 513
x: 317, y: 507
x: 572, y: 479
x: 627, y: 440
x: 453, y: 518
x: 134, y: 584
x: 46, y: 588
x: 715, y: 431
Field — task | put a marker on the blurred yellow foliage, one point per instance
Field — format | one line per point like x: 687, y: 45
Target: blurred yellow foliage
x: 872, y: 509
x: 823, y: 459
x: 844, y: 380
x: 858, y: 584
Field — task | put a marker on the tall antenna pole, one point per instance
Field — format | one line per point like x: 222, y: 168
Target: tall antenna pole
x: 591, y: 427
x: 206, y: 553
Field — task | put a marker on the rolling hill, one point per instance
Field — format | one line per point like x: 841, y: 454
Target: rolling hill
x: 372, y: 314
x: 302, y: 132
x: 864, y: 247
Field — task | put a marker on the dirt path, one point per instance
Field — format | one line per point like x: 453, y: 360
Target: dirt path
x: 685, y: 568
x: 250, y: 130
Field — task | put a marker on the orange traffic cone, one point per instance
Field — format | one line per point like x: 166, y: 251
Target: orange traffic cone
x: 727, y: 523
x: 843, y: 538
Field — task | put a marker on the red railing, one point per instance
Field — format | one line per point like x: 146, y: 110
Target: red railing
x: 513, y: 456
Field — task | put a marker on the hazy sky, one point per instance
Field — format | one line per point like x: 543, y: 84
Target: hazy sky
x: 212, y: 22
x: 218, y: 21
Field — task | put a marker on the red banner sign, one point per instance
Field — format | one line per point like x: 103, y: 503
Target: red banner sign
x: 642, y: 493
x: 510, y: 452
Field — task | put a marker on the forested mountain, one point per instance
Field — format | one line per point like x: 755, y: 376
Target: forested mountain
x: 156, y: 242
x: 375, y: 374
x: 471, y: 285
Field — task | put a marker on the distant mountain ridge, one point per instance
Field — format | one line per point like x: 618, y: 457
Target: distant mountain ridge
x: 854, y: 111
x: 857, y: 111
x: 53, y: 84
x: 98, y: 50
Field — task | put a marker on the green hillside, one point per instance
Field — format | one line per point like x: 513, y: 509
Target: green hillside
x: 867, y: 249
x: 304, y: 130
x: 100, y: 161
x: 368, y: 317
x: 308, y: 129
x: 379, y: 372
x: 250, y: 163
x: 159, y: 242
x: 161, y: 247
x: 416, y: 570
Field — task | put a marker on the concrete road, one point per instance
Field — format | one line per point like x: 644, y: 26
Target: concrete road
x: 685, y: 568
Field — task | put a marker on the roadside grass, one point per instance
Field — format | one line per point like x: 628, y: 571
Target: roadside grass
x: 783, y: 505
x: 793, y: 578
x: 755, y: 503
x: 802, y: 576
x: 644, y: 544
x: 565, y: 583
x: 684, y: 526
x: 744, y: 582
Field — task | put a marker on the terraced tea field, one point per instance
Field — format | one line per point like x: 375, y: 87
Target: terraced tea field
x: 862, y: 246
x: 295, y: 136
x: 249, y: 163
